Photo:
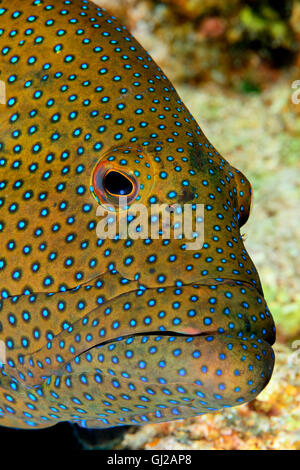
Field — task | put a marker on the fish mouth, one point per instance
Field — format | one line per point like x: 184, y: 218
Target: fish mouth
x: 193, y: 329
x: 172, y: 352
x: 198, y: 368
x: 188, y: 333
x: 197, y: 335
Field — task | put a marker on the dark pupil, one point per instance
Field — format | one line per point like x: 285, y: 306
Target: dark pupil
x: 116, y: 183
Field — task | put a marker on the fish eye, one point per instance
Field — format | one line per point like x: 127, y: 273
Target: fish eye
x: 117, y: 184
x: 110, y: 183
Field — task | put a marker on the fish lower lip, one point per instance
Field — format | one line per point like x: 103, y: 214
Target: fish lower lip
x: 169, y: 362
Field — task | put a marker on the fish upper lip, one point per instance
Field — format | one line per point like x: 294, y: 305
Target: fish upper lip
x: 199, y: 282
x: 225, y: 280
x: 185, y: 332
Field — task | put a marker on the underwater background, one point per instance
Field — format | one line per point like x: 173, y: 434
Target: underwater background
x: 236, y: 66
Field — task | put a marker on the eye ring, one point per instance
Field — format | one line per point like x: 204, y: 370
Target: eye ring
x: 110, y: 183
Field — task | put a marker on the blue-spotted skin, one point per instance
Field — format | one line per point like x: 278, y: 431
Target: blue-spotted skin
x: 112, y: 332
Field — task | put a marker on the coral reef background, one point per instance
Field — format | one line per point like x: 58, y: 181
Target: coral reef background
x: 233, y: 63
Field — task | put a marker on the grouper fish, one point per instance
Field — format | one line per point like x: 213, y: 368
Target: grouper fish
x: 107, y: 331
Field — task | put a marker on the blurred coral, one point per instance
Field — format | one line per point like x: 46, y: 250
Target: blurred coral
x: 214, y: 39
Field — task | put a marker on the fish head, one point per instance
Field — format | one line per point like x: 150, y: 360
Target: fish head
x: 122, y: 265
x: 203, y: 328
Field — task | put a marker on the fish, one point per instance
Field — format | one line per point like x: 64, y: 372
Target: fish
x: 123, y: 330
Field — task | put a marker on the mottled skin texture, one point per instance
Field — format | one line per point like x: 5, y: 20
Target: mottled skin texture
x: 110, y: 332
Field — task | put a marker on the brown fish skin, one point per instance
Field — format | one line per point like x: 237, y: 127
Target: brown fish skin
x: 106, y: 332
